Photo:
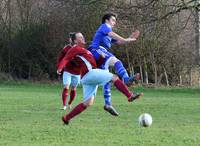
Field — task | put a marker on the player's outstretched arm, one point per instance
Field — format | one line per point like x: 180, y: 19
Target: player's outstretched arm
x: 120, y: 40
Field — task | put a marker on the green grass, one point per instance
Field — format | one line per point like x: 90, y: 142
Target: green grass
x: 30, y: 115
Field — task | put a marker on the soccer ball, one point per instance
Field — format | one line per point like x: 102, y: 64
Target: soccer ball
x: 145, y: 120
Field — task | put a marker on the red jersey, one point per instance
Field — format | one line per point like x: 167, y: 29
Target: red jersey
x: 83, y: 58
x: 69, y: 67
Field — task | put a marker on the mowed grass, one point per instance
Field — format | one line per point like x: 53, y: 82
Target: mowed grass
x: 30, y: 115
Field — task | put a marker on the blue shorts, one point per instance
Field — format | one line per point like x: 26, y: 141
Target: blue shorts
x: 102, y: 51
x: 92, y: 80
x: 70, y: 79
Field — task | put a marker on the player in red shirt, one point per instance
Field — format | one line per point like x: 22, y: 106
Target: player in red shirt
x: 70, y: 77
x: 91, y: 77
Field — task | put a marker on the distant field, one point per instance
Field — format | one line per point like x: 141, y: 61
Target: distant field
x: 30, y: 115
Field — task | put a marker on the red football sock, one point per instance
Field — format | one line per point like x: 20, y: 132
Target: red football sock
x: 72, y: 95
x: 77, y: 110
x: 64, y: 96
x: 122, y: 88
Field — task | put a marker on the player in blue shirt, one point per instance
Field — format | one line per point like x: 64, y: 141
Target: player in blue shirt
x: 102, y: 41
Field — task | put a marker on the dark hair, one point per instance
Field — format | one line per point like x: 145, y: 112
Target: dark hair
x: 72, y: 36
x: 108, y: 16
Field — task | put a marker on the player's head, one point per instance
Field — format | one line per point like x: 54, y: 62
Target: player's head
x: 110, y: 19
x: 77, y: 38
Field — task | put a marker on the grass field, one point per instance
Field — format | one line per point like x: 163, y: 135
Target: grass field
x: 30, y: 115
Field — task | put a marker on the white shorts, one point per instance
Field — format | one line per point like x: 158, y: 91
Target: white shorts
x: 70, y: 79
x: 92, y: 80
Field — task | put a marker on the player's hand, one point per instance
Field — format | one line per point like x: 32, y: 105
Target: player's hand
x: 59, y: 72
x: 130, y: 39
x: 135, y: 34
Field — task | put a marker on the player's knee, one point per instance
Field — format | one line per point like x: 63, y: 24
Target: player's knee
x: 73, y: 87
x: 113, y: 60
x: 66, y: 86
x: 114, y: 78
x: 89, y: 102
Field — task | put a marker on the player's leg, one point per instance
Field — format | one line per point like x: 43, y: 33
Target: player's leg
x: 105, y: 76
x: 89, y: 92
x: 107, y: 93
x: 66, y: 83
x: 101, y: 77
x: 77, y: 110
x: 111, y: 60
x: 75, y: 79
x: 124, y: 89
x: 107, y: 97
x: 72, y: 96
x: 122, y: 72
x: 107, y: 87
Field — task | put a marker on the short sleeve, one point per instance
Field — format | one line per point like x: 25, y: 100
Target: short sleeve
x: 105, y: 29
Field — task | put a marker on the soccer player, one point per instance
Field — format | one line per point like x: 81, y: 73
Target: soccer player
x: 70, y: 77
x: 102, y: 41
x: 91, y: 77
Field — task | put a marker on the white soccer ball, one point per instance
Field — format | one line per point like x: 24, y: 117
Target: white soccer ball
x: 145, y: 120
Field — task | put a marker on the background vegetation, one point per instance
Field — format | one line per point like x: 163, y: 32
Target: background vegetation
x: 33, y: 32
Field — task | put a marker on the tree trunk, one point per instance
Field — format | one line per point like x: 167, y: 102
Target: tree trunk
x: 9, y: 35
x: 131, y: 70
x: 166, y: 77
x: 155, y: 74
x: 190, y: 76
x: 146, y: 73
x: 197, y: 37
x: 146, y: 78
x: 141, y: 74
x: 160, y: 79
x: 181, y: 81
